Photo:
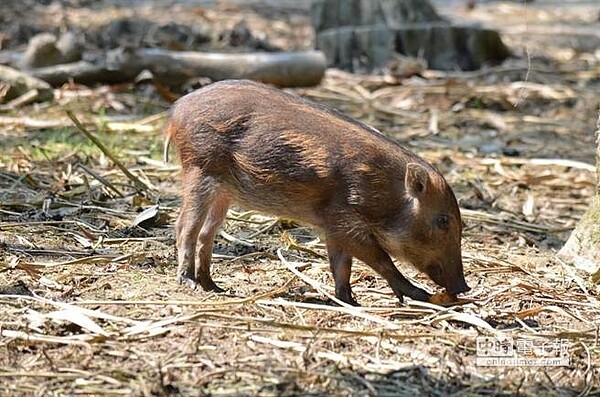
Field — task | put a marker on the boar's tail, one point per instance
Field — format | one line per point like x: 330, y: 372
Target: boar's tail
x: 167, y: 143
x: 166, y: 149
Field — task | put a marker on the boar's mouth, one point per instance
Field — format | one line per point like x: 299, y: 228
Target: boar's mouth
x: 459, y: 287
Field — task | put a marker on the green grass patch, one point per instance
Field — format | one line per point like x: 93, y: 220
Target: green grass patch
x: 52, y: 144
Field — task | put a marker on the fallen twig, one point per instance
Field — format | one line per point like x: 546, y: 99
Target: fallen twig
x: 136, y: 181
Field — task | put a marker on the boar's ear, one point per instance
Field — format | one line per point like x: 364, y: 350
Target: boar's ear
x: 416, y: 179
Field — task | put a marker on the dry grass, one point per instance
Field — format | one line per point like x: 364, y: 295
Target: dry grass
x: 90, y: 303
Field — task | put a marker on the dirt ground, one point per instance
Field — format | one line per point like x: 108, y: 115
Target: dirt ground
x: 89, y: 301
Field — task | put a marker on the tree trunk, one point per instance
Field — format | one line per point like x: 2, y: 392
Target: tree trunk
x: 364, y: 34
x: 583, y: 247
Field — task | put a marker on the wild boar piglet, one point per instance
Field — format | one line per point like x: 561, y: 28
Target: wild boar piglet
x: 264, y: 149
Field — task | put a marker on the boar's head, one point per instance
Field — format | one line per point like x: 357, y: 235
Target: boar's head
x: 427, y: 230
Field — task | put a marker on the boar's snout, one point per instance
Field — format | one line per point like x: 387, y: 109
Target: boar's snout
x: 450, y: 276
x: 455, y: 278
x: 458, y: 287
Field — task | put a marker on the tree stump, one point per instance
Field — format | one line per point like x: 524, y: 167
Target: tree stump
x: 364, y: 34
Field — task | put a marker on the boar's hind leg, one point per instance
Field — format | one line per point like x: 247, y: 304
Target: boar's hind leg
x: 340, y: 263
x: 196, y: 203
x: 371, y: 253
x: 206, y: 237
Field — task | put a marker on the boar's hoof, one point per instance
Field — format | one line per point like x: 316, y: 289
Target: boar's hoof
x: 351, y: 301
x: 213, y: 287
x: 185, y: 280
x: 208, y: 284
x: 345, y: 295
x: 420, y: 295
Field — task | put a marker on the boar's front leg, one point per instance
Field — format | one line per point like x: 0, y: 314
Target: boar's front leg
x: 370, y: 252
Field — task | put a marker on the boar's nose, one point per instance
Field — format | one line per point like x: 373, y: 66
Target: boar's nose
x: 458, y: 287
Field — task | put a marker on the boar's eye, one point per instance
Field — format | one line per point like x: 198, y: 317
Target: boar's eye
x: 442, y: 221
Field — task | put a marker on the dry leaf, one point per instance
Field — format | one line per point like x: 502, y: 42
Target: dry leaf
x: 446, y: 299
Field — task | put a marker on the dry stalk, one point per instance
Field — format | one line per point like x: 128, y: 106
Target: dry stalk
x: 136, y: 181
